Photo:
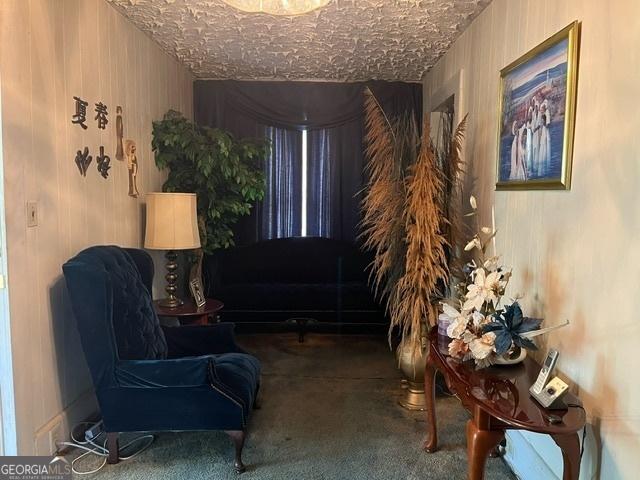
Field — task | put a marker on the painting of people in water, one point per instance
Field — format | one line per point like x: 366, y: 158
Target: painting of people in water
x: 536, y: 115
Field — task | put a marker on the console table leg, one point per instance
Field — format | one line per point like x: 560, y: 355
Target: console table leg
x: 479, y: 444
x: 431, y: 444
x: 570, y: 446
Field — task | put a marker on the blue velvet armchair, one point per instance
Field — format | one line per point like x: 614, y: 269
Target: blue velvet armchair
x: 148, y: 377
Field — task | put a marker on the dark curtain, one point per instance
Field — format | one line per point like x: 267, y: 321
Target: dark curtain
x: 335, y: 178
x: 283, y: 194
x: 332, y: 114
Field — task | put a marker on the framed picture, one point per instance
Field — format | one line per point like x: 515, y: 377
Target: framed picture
x: 536, y: 115
x: 195, y: 286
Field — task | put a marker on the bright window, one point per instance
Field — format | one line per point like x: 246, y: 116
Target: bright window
x: 303, y: 201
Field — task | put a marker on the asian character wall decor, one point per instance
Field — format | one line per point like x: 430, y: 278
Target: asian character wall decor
x: 83, y: 160
x: 101, y: 115
x: 119, y: 134
x: 103, y: 162
x: 132, y: 165
x: 81, y: 113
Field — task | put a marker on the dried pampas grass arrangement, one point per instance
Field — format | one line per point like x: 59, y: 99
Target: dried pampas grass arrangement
x: 382, y: 229
x: 425, y: 259
x: 404, y: 219
x: 453, y: 202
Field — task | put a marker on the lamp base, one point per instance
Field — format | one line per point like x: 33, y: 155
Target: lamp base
x: 174, y: 302
x: 171, y: 277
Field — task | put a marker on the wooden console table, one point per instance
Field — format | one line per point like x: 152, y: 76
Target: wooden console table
x: 498, y: 400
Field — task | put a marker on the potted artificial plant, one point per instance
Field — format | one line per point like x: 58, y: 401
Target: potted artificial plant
x: 224, y: 173
x: 404, y: 225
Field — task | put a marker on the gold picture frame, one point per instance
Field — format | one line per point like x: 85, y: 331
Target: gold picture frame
x: 536, y: 115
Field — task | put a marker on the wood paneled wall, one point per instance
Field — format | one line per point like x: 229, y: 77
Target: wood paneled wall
x: 51, y: 50
x: 575, y: 253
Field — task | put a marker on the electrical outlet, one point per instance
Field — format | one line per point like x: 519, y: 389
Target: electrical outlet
x: 55, y: 437
x: 32, y: 214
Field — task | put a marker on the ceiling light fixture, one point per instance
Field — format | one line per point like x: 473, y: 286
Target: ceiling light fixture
x: 277, y: 7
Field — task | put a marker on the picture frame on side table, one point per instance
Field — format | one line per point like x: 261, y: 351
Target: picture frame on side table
x: 195, y: 286
x: 537, y: 102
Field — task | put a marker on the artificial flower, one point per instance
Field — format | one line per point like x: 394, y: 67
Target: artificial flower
x: 508, y: 325
x: 468, y: 335
x: 456, y: 328
x: 486, y: 230
x: 482, y: 347
x: 479, y: 319
x: 474, y: 243
x: 472, y: 201
x: 491, y: 264
x: 458, y: 321
x: 457, y: 348
x: 485, y: 288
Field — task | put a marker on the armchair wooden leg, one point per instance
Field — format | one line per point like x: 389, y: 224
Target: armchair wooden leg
x: 238, y: 436
x: 112, y: 447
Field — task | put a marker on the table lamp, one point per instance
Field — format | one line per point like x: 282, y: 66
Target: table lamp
x: 172, y: 224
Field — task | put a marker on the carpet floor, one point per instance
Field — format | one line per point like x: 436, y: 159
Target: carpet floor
x: 329, y: 411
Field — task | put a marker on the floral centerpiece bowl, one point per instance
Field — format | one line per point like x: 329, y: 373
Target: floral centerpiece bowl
x: 482, y: 326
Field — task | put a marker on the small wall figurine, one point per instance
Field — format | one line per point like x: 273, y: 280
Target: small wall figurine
x: 132, y: 165
x: 119, y: 134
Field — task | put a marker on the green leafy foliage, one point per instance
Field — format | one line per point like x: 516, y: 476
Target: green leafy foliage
x: 225, y: 173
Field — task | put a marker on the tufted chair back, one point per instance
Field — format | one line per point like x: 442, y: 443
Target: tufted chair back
x: 113, y: 309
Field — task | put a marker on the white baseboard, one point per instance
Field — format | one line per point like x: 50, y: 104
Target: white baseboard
x: 527, y: 461
x: 60, y: 426
x: 534, y: 456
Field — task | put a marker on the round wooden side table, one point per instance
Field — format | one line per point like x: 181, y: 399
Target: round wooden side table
x: 188, y: 313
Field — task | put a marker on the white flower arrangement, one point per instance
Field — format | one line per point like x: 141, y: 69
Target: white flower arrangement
x: 483, y: 327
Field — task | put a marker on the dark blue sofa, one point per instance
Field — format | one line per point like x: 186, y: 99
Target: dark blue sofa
x: 272, y: 281
x: 148, y: 377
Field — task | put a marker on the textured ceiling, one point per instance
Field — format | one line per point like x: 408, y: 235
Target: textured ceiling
x: 348, y: 40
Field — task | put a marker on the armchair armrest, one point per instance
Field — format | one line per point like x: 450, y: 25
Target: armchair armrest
x: 201, y: 340
x: 179, y: 372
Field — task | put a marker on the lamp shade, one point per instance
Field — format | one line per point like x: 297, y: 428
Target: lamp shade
x: 172, y: 222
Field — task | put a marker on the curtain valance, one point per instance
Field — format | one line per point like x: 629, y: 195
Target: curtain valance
x: 297, y: 105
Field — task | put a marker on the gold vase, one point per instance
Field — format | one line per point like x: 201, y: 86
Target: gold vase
x: 412, y: 357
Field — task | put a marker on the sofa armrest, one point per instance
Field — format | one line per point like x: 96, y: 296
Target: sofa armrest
x: 201, y: 340
x: 179, y: 372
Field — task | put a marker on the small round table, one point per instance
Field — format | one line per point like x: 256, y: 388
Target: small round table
x: 188, y: 313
